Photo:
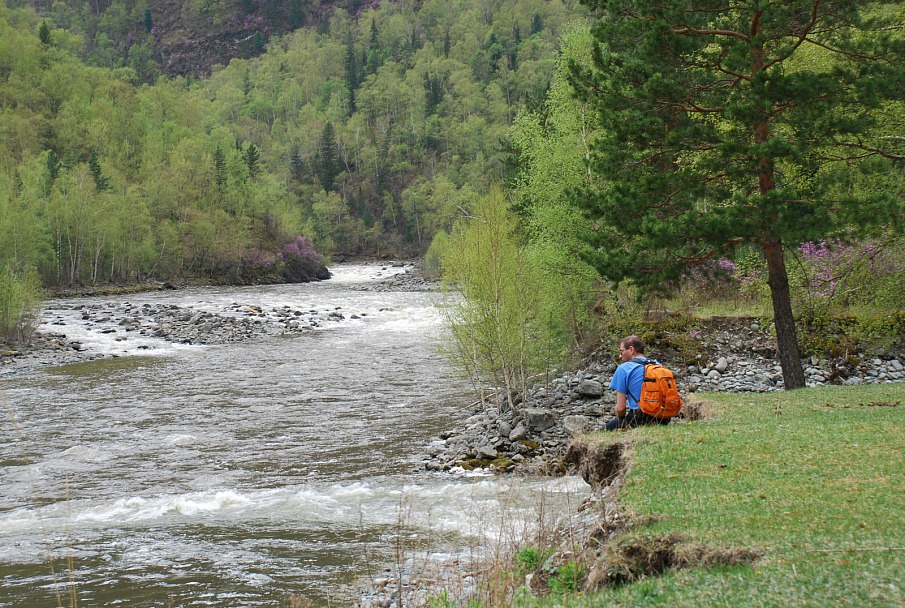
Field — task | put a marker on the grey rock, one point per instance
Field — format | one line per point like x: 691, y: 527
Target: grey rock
x: 576, y: 425
x: 722, y: 365
x: 487, y: 452
x: 590, y: 388
x: 518, y: 433
x: 538, y: 419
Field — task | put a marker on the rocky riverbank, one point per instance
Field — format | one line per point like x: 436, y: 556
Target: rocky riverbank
x: 55, y: 343
x: 126, y: 322
x: 532, y: 436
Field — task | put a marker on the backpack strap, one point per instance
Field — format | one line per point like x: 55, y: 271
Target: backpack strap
x: 642, y: 363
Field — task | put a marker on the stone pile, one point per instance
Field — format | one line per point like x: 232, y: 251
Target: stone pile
x: 411, y: 279
x: 175, y: 324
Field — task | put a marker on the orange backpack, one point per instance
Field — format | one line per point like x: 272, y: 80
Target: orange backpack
x: 659, y: 394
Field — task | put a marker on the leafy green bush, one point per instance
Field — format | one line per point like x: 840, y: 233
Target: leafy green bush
x: 529, y: 559
x: 434, y: 253
x: 567, y: 578
x: 20, y: 300
x: 502, y: 329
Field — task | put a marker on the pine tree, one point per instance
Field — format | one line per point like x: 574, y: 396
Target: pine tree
x: 220, y: 170
x: 328, y: 164
x: 18, y: 185
x: 351, y: 72
x: 374, y: 42
x: 251, y: 157
x: 44, y: 33
x: 52, y: 168
x: 295, y: 163
x: 738, y: 124
x: 101, y: 183
x: 258, y: 43
x: 374, y: 59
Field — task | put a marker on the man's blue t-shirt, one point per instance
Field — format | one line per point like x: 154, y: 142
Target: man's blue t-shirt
x: 628, y: 379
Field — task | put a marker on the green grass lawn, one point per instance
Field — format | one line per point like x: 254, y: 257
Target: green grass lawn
x: 818, y: 491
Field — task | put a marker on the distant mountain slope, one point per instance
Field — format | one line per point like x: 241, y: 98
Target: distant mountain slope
x: 191, y: 43
x: 183, y: 37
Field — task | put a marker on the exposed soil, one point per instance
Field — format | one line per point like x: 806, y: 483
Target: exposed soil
x: 597, y: 464
x: 626, y: 558
x: 631, y: 559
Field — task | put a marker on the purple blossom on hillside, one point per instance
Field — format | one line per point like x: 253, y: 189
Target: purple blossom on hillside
x: 727, y: 266
x: 826, y: 263
x: 710, y: 274
x: 300, y: 260
x: 301, y: 247
x: 261, y: 259
x: 834, y: 270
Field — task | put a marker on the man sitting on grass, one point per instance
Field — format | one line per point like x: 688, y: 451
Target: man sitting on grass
x: 627, y: 383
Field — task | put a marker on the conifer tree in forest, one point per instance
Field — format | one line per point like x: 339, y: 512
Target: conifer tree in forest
x: 258, y: 43
x: 748, y: 123
x: 537, y: 24
x: 101, y: 183
x: 327, y: 160
x: 52, y: 166
x: 220, y: 171
x: 295, y: 163
x: 251, y: 157
x: 351, y: 72
x: 44, y: 33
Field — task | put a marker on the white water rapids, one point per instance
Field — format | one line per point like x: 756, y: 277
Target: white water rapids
x: 238, y: 474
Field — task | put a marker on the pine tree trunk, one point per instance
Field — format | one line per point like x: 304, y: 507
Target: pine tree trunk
x: 786, y: 335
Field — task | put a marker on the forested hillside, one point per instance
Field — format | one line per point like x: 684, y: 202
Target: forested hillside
x: 365, y: 132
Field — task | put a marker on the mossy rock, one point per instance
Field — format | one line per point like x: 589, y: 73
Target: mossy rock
x: 475, y: 463
x: 531, y: 445
x: 501, y: 464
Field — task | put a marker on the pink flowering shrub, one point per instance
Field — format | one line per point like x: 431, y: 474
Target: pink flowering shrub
x: 825, y: 277
x: 712, y: 280
x: 301, y: 263
x: 828, y: 278
x: 295, y: 262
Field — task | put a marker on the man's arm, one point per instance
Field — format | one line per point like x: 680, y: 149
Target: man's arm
x: 621, y: 404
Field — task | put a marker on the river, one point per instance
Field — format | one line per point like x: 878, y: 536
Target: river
x: 168, y: 474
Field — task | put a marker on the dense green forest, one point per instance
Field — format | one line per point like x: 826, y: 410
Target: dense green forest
x: 366, y: 134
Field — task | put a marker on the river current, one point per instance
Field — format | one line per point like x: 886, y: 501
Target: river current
x: 235, y: 475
